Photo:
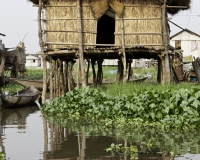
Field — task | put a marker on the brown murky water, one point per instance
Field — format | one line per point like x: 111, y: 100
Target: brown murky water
x: 26, y: 135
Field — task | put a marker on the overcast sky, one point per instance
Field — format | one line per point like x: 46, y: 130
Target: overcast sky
x: 18, y: 18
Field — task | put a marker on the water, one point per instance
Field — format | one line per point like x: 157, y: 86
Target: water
x: 26, y: 135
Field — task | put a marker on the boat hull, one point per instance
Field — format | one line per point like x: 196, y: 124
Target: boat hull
x: 20, y: 99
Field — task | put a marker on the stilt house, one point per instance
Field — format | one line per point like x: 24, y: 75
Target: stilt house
x: 93, y: 30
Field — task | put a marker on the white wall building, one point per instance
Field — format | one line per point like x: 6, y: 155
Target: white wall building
x: 187, y: 41
x: 32, y: 61
x: 136, y: 63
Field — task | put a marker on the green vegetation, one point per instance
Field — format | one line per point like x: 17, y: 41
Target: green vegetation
x: 2, y: 156
x: 11, y: 88
x: 166, y: 108
x: 34, y: 73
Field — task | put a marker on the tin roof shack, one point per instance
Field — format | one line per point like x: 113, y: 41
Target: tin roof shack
x: 33, y: 61
x: 105, y: 29
x: 187, y: 41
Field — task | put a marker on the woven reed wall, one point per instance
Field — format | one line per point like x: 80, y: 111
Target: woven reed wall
x: 69, y: 25
x: 133, y: 9
x: 139, y: 9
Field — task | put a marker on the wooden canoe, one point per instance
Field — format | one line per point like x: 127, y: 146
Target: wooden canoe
x: 21, y: 98
x: 36, y: 83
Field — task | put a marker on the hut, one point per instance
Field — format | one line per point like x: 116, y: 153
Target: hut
x: 32, y: 61
x: 93, y: 30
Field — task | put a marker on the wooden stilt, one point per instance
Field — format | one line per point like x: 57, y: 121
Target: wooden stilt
x: 56, y: 77
x: 165, y: 42
x: 68, y: 77
x: 65, y: 76
x: 93, y: 70
x: 78, y: 69
x: 123, y: 52
x: 88, y: 69
x: 59, y: 75
x: 51, y: 78
x: 129, y: 69
x: 99, y: 72
x: 159, y: 71
x: 80, y: 35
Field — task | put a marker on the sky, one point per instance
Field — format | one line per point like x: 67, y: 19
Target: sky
x: 19, y: 23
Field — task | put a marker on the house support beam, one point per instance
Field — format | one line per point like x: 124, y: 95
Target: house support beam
x: 44, y: 56
x: 165, y: 64
x: 80, y: 39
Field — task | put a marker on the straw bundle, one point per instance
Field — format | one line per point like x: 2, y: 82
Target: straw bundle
x: 99, y: 7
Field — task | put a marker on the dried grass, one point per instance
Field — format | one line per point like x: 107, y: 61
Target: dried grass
x: 70, y: 24
x: 133, y: 9
x: 141, y: 26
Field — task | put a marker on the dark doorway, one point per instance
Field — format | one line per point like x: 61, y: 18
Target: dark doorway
x: 105, y: 30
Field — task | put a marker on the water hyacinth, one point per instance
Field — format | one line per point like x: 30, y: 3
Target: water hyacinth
x: 169, y: 108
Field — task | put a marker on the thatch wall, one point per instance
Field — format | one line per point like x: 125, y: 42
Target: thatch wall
x: 136, y: 23
x: 70, y: 24
x: 142, y: 22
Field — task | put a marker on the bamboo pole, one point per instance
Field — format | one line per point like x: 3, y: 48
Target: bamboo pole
x: 88, y: 69
x: 56, y: 79
x: 65, y: 75
x: 93, y: 70
x: 80, y: 35
x: 77, y: 78
x: 44, y: 56
x: 51, y: 78
x: 62, y: 80
x: 59, y: 75
x: 123, y: 51
x: 165, y: 42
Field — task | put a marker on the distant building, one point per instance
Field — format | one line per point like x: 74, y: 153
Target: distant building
x: 187, y: 41
x: 33, y: 61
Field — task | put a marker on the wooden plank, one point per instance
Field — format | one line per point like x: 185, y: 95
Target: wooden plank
x: 109, y: 45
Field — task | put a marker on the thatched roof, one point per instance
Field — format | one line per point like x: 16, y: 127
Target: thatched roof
x: 169, y: 2
x: 177, y: 3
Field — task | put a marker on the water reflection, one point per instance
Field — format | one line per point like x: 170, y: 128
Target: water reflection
x: 25, y: 134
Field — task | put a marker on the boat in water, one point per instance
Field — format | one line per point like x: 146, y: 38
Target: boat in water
x: 21, y: 98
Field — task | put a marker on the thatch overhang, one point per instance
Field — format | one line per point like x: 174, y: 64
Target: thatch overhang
x: 169, y: 3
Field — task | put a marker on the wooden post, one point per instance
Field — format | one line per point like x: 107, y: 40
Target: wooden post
x: 165, y: 43
x: 51, y: 78
x: 123, y: 51
x: 59, y: 70
x: 62, y: 78
x: 88, y: 69
x: 80, y: 38
x: 56, y: 79
x: 93, y: 70
x: 77, y: 80
x: 129, y: 69
x: 42, y: 51
x: 65, y: 75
